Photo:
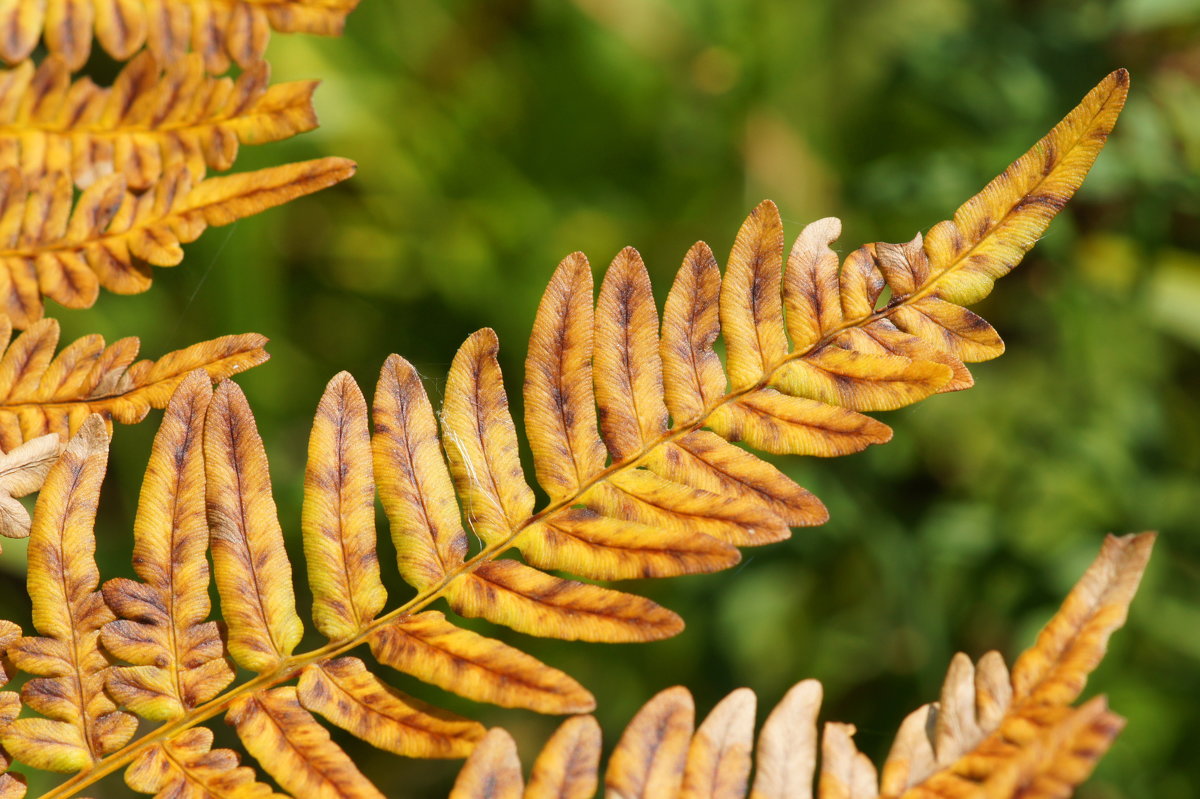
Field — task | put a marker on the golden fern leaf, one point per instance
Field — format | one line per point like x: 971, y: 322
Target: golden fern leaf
x: 41, y: 392
x: 989, y: 735
x: 156, y: 118
x: 81, y: 723
x: 220, y: 30
x: 188, y: 766
x: 111, y: 235
x: 12, y: 786
x: 634, y: 491
x: 295, y: 749
x: 568, y: 763
x: 339, y: 514
x: 254, y: 576
x: 177, y: 656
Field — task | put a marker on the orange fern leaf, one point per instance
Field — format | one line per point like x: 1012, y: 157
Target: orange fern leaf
x: 188, y: 766
x: 295, y: 749
x: 177, y: 655
x: 220, y: 30
x: 41, y: 392
x: 12, y: 786
x: 81, y: 723
x: 988, y: 736
x: 254, y: 577
x: 634, y: 491
x: 156, y: 118
x: 111, y: 235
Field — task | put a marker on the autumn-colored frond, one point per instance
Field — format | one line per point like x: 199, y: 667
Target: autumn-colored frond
x: 178, y: 660
x: 110, y: 236
x: 220, y: 30
x: 156, y: 118
x: 43, y: 392
x: 45, y: 397
x: 12, y: 786
x: 632, y: 428
x: 79, y: 723
x: 989, y: 735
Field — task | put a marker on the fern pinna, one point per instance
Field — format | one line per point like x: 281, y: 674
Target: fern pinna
x: 990, y: 734
x: 46, y: 397
x: 647, y: 486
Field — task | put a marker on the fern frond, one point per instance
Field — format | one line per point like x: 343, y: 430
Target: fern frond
x: 12, y: 786
x: 989, y: 735
x: 254, y: 576
x: 220, y: 30
x: 111, y: 235
x: 188, y: 766
x: 80, y: 723
x: 295, y: 749
x: 346, y: 693
x: 637, y: 485
x: 177, y: 655
x: 338, y: 520
x: 42, y: 393
x: 156, y: 118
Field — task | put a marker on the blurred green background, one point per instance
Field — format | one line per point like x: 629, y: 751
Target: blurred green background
x: 494, y: 138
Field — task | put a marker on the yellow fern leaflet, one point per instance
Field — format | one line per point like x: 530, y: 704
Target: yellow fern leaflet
x: 562, y: 769
x: 155, y: 119
x: 414, y: 484
x: 220, y: 30
x: 254, y: 577
x: 811, y: 349
x: 41, y: 392
x: 433, y: 649
x: 989, y: 735
x: 111, y: 235
x: 81, y: 723
x: 295, y: 749
x: 349, y: 695
x: 177, y: 656
x: 189, y: 766
x: 12, y: 786
x: 339, y: 515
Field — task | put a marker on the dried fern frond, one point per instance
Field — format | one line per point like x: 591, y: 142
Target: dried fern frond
x: 219, y: 30
x: 42, y: 392
x: 155, y: 118
x: 638, y: 488
x: 82, y: 723
x: 44, y: 397
x: 990, y: 735
x: 111, y: 236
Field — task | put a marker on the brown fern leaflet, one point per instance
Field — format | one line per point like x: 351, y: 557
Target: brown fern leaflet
x: 991, y: 734
x: 630, y: 431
